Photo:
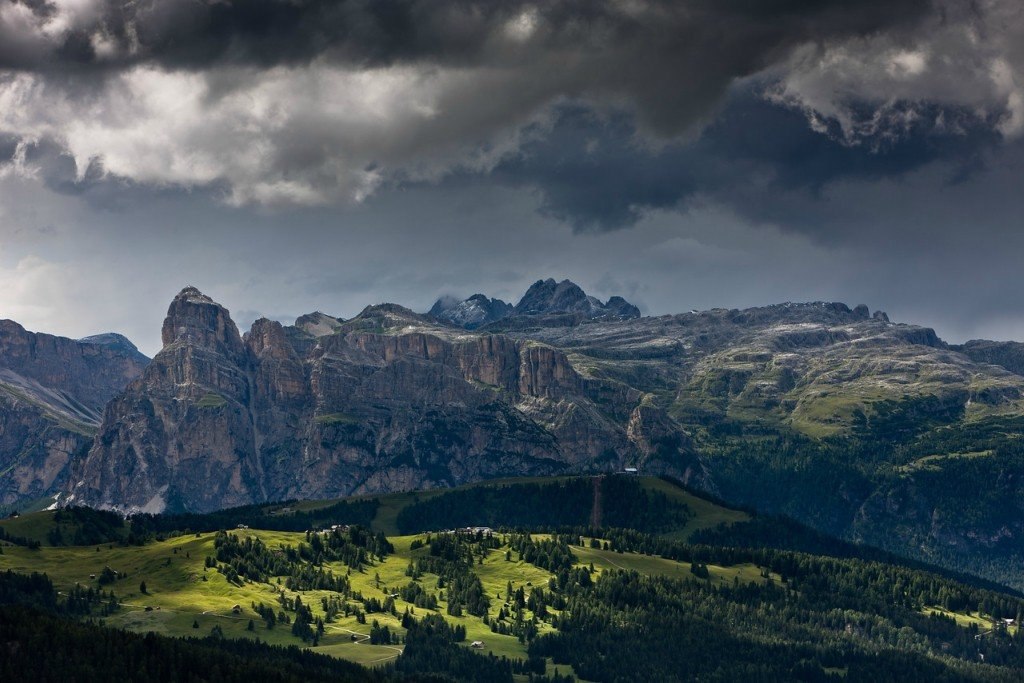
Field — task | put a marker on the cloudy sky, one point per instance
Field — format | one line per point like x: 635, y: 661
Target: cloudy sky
x: 292, y: 155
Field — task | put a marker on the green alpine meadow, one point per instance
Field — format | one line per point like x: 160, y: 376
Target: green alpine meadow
x: 400, y: 586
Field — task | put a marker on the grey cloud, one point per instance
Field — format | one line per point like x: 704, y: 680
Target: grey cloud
x: 672, y: 59
x: 758, y: 158
x: 468, y: 86
x: 8, y: 147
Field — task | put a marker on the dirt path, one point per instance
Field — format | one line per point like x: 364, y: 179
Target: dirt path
x: 587, y: 551
x: 364, y: 639
x: 596, y: 510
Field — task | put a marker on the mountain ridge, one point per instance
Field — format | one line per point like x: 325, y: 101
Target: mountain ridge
x: 829, y: 414
x: 52, y: 393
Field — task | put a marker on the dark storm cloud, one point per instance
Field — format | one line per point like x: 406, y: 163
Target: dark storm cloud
x: 324, y: 101
x: 672, y: 59
x: 59, y: 170
x: 758, y: 158
x: 8, y: 147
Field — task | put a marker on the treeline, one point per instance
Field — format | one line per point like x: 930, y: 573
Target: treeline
x: 431, y: 649
x: 37, y: 592
x: 14, y: 539
x: 629, y: 627
x: 860, y: 584
x: 624, y: 502
x: 782, y: 533
x: 276, y: 517
x: 89, y: 653
x: 812, y: 614
x: 85, y: 526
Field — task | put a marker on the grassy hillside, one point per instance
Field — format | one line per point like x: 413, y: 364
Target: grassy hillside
x: 182, y: 592
x: 184, y: 598
x: 641, y: 602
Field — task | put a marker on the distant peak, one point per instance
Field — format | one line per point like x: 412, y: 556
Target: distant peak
x: 111, y: 339
x: 193, y: 295
x: 198, y: 319
x: 318, y: 324
x: 469, y: 313
x: 546, y: 297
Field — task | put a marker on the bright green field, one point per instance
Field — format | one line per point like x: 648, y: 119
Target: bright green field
x: 181, y: 592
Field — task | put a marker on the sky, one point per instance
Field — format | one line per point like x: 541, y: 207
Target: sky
x: 286, y: 156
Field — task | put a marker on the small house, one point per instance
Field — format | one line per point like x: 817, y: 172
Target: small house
x: 631, y: 470
x: 477, y: 644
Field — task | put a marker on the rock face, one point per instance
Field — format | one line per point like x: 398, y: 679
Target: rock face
x: 388, y: 401
x: 52, y: 393
x: 394, y: 400
x: 1009, y: 355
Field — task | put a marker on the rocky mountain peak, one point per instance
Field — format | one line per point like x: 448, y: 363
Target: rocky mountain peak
x: 385, y: 316
x: 198, y: 320
x: 116, y: 342
x: 546, y: 297
x: 546, y: 301
x: 620, y: 308
x: 444, y: 304
x: 267, y: 337
x: 470, y: 313
x: 318, y: 324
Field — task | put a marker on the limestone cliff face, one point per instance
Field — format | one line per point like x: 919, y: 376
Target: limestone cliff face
x: 181, y: 435
x: 383, y: 402
x: 52, y: 393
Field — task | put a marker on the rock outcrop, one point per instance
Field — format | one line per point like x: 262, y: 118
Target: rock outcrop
x: 52, y: 394
x: 389, y: 400
x: 1009, y: 355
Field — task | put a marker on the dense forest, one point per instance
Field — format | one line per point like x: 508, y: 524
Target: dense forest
x: 284, y: 516
x: 561, y: 503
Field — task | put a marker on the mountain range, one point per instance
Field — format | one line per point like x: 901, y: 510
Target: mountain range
x: 867, y: 429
